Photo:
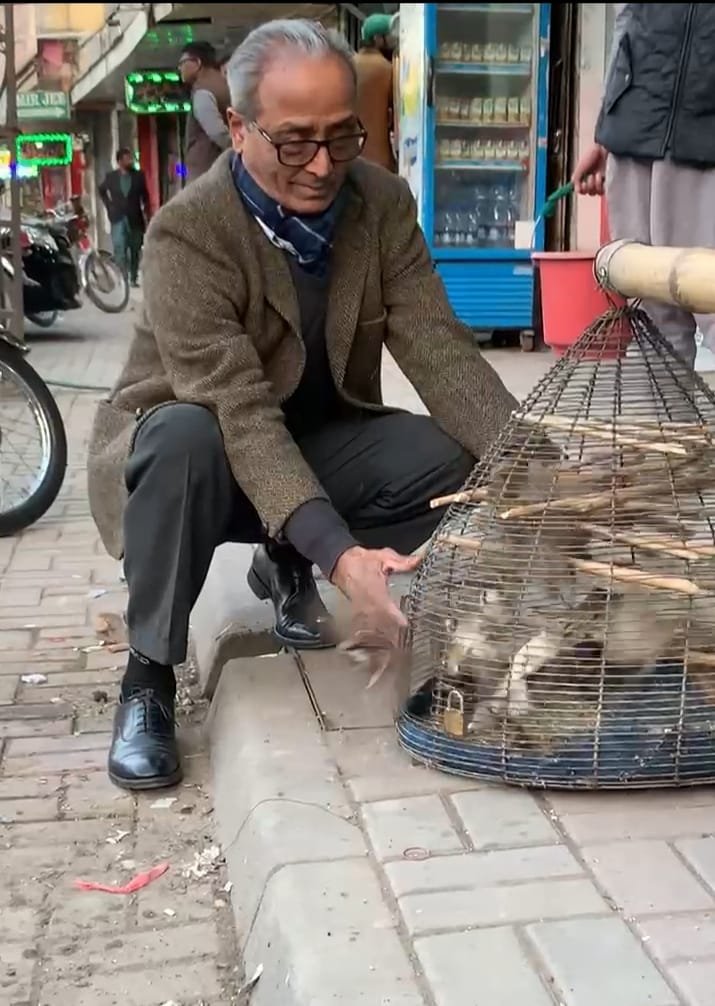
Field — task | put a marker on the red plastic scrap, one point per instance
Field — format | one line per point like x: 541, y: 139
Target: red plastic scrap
x: 135, y: 884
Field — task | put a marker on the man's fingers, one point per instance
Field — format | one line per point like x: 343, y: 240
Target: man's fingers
x: 396, y: 563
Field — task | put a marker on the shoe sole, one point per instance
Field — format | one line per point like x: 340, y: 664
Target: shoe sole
x: 263, y: 594
x: 158, y: 782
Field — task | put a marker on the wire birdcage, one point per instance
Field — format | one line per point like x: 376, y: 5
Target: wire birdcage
x: 562, y: 624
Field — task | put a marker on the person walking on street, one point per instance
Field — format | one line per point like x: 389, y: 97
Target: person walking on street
x: 654, y: 149
x: 207, y: 133
x: 126, y: 198
x: 375, y: 102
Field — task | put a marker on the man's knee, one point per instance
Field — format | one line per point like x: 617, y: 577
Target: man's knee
x: 180, y: 431
x: 423, y: 460
x: 436, y: 453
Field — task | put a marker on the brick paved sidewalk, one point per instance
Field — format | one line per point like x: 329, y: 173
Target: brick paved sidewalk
x: 61, y: 819
x: 422, y: 889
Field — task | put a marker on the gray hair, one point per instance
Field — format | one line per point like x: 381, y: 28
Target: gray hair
x: 251, y: 58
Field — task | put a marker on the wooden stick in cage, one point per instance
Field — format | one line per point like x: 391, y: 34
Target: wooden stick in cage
x: 630, y: 574
x: 701, y: 658
x: 611, y: 571
x: 604, y: 432
x: 465, y: 496
x: 652, y: 543
x: 597, y: 501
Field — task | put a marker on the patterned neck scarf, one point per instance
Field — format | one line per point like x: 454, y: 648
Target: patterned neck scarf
x: 308, y: 238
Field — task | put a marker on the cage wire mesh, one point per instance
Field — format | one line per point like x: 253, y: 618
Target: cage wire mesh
x: 562, y: 624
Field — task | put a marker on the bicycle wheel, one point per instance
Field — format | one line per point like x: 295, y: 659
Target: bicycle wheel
x: 33, y: 444
x: 106, y: 283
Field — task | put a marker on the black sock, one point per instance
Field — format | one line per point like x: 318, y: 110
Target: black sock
x: 142, y: 673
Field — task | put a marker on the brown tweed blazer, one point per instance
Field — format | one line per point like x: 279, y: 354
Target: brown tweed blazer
x: 220, y: 327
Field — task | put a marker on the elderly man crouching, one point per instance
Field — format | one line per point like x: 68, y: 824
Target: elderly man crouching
x: 250, y: 408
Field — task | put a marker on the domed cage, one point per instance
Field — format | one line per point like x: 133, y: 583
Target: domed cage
x: 562, y: 625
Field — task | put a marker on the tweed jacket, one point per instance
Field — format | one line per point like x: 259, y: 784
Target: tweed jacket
x: 220, y: 327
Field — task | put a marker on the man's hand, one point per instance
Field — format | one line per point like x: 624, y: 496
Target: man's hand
x: 363, y: 576
x: 589, y: 176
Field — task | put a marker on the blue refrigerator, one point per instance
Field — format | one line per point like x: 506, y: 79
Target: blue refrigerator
x: 472, y: 133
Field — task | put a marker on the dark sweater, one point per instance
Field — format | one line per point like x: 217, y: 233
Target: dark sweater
x: 315, y: 529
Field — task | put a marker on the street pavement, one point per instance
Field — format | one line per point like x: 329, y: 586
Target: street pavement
x: 60, y: 818
x: 354, y: 875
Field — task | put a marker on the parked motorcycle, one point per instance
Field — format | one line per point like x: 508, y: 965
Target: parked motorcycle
x: 59, y: 264
x: 28, y: 487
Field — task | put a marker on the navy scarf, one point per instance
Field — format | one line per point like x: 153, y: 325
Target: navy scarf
x: 308, y: 238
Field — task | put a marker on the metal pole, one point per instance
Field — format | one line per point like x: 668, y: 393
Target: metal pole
x: 15, y: 320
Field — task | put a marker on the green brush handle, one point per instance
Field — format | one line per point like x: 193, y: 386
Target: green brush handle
x: 549, y: 207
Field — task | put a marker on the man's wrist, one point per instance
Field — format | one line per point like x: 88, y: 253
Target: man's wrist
x: 319, y: 533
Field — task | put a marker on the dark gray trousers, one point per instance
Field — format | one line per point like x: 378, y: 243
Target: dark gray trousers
x: 379, y: 471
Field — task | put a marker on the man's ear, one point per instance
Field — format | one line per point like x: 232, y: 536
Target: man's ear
x: 238, y: 127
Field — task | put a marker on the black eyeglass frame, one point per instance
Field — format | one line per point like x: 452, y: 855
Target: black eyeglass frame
x: 316, y: 146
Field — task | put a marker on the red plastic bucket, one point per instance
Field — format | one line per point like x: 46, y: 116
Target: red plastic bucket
x: 571, y: 300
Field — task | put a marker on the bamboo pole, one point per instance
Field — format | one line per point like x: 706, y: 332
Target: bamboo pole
x: 683, y: 277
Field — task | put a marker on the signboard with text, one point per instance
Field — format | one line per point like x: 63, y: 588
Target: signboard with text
x: 43, y: 105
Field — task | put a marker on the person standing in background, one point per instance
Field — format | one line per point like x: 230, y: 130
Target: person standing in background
x: 207, y: 134
x: 126, y: 199
x: 654, y: 143
x: 375, y: 90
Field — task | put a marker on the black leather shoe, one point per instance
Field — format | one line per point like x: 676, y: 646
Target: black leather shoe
x: 279, y: 574
x: 144, y: 754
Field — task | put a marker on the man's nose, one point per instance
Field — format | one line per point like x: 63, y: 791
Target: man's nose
x: 321, y: 165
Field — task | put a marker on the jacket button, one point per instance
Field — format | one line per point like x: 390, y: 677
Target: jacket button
x: 628, y: 78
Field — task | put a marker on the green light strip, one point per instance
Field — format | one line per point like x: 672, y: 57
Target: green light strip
x: 38, y: 158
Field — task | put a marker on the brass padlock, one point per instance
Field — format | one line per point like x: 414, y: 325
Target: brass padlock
x: 453, y: 720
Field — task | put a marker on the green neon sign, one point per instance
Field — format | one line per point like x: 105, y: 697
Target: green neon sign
x: 43, y: 150
x: 154, y: 92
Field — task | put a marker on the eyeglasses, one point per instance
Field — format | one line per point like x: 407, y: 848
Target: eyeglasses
x: 299, y: 153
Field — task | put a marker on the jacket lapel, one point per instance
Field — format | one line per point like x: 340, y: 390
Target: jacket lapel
x: 350, y: 260
x: 278, y: 287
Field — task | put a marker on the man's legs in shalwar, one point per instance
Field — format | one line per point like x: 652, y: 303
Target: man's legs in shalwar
x: 666, y: 204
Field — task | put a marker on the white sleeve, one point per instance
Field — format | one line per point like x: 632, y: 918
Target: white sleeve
x: 207, y: 114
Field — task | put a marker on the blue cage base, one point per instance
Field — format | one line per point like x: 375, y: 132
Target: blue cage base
x: 662, y: 734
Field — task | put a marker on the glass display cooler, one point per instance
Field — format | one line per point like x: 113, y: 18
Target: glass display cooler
x: 473, y: 145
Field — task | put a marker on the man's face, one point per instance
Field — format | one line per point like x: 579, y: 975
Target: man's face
x: 126, y: 161
x: 189, y: 68
x: 299, y: 98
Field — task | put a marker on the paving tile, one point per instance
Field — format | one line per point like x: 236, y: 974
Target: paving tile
x: 700, y: 853
x: 684, y: 937
x: 475, y: 870
x: 595, y: 962
x: 418, y: 821
x: 28, y: 809
x: 505, y: 905
x: 100, y: 952
x: 695, y: 981
x: 656, y: 822
x: 646, y: 877
x: 188, y: 981
x: 374, y: 767
x: 489, y: 967
x: 92, y: 760
x: 8, y: 687
x: 17, y: 963
x: 499, y: 818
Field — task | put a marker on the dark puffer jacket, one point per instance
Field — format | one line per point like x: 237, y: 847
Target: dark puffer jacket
x: 660, y: 92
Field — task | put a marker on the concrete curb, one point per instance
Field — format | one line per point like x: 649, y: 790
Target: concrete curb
x: 306, y: 893
x: 228, y: 622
